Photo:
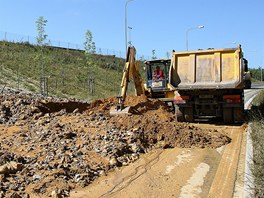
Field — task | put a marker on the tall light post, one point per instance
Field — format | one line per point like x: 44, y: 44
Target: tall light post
x: 194, y: 28
x: 129, y: 37
x: 260, y: 74
x: 260, y: 69
x: 232, y: 43
x: 126, y: 22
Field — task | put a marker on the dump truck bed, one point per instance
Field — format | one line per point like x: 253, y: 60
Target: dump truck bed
x: 207, y: 69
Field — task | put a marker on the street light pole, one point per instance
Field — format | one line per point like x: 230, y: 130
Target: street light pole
x: 260, y: 74
x: 129, y: 35
x: 126, y: 22
x: 198, y: 27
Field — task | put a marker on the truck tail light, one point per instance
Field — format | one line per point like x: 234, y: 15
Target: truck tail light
x: 181, y: 99
x: 232, y: 98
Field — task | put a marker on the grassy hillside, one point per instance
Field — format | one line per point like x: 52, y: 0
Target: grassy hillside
x: 70, y: 73
x: 257, y: 135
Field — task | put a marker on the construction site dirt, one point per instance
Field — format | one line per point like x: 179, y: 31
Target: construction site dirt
x: 51, y: 146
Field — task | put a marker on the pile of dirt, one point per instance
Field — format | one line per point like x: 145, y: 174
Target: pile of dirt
x: 155, y: 120
x: 49, y: 146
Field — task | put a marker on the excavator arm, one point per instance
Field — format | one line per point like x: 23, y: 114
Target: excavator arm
x: 131, y: 71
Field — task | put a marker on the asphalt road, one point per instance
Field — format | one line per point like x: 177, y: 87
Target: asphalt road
x: 250, y: 93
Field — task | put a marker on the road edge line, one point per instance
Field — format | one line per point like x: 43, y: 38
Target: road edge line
x: 247, y: 105
x: 248, y: 177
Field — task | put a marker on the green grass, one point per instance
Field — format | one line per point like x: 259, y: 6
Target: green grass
x: 257, y: 135
x: 254, y: 80
x: 67, y: 71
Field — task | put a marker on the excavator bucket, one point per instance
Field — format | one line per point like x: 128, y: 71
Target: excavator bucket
x: 118, y: 111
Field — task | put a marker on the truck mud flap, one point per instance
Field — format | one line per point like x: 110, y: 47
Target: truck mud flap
x: 233, y: 115
x: 228, y: 115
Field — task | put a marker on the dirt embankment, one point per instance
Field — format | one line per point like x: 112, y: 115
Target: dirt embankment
x: 49, y: 146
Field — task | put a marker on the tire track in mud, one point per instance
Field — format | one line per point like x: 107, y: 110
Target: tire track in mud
x: 132, y: 177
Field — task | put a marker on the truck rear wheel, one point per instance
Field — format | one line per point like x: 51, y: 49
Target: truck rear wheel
x: 228, y: 115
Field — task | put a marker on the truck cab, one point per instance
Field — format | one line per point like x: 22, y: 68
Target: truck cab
x: 247, y: 75
x: 157, y: 78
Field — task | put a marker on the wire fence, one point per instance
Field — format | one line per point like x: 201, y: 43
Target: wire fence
x: 18, y: 38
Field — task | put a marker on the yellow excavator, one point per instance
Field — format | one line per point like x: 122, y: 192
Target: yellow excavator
x: 131, y: 72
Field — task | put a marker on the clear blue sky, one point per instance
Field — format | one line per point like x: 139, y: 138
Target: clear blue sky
x: 156, y: 24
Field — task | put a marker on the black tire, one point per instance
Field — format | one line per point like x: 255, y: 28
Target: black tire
x: 228, y: 115
x: 179, y: 114
x: 188, y: 114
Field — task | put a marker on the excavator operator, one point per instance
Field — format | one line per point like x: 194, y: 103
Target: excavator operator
x: 158, y: 74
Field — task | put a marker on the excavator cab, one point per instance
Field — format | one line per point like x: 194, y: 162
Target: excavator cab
x: 157, y: 75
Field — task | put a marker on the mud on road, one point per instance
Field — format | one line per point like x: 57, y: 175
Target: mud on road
x: 49, y: 146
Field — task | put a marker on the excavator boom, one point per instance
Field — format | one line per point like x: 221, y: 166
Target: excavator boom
x: 131, y: 71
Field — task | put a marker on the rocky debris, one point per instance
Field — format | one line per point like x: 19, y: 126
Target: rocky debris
x: 49, y: 146
x: 10, y: 168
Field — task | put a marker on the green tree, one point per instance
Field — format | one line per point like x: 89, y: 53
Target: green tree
x: 167, y: 54
x: 89, y: 44
x: 257, y: 73
x: 41, y: 38
x: 141, y: 58
x: 154, y: 54
x: 90, y: 48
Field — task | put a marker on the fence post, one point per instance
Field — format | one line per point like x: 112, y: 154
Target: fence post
x: 44, y: 85
x: 91, y: 84
x: 18, y: 77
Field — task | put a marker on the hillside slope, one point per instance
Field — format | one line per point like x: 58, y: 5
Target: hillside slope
x: 69, y: 73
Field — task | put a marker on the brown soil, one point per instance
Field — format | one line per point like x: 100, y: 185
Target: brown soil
x: 68, y: 144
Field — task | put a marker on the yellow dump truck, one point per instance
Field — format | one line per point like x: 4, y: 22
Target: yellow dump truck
x: 208, y: 84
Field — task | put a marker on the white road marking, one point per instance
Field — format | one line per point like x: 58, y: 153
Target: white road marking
x: 184, y: 157
x: 196, y: 181
x: 169, y: 168
x: 220, y: 150
x: 248, y: 104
